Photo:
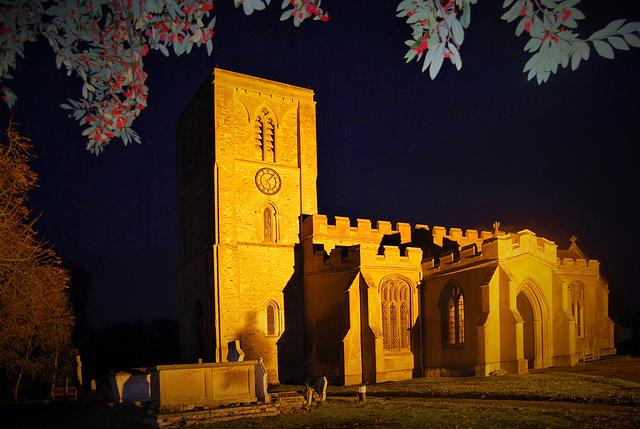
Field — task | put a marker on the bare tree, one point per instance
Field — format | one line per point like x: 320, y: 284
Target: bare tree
x: 35, y: 317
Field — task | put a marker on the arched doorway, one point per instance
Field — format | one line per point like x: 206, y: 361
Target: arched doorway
x: 528, y: 333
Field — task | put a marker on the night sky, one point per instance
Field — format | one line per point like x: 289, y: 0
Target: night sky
x: 465, y: 150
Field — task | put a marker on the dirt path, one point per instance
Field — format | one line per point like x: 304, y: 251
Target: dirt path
x: 624, y: 370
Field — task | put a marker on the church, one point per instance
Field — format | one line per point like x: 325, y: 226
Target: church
x: 356, y: 302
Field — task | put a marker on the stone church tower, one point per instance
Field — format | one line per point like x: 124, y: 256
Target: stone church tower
x: 246, y: 173
x: 351, y: 300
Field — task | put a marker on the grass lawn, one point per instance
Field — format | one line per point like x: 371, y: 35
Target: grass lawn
x: 531, y: 400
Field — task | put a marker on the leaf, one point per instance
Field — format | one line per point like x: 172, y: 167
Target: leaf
x: 533, y: 45
x: 514, y: 12
x: 618, y: 43
x: 632, y: 39
x: 456, y: 59
x: 465, y: 18
x: 427, y: 59
x: 611, y: 28
x: 436, y: 63
x: 585, y: 50
x: 575, y: 60
x: 521, y: 24
x: 603, y: 49
x: 287, y: 14
x: 458, y: 31
x: 532, y: 62
x: 629, y: 27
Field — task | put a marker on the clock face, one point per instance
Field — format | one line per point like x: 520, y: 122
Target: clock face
x: 268, y: 181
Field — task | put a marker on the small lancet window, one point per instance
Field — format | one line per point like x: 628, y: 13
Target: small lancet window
x: 396, y: 322
x: 273, y: 319
x: 453, y: 315
x: 265, y: 136
x: 268, y: 225
x: 577, y: 308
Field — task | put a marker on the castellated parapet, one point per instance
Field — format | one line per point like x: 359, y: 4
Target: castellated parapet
x: 470, y: 236
x: 343, y: 234
x: 493, y: 247
x: 341, y: 246
x: 581, y: 267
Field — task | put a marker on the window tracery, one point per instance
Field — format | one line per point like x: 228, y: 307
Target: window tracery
x: 453, y: 315
x: 396, y: 317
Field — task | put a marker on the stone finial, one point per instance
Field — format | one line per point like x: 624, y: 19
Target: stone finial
x: 573, y: 239
x: 496, y: 227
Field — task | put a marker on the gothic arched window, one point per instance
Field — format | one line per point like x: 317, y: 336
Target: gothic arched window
x: 577, y: 307
x: 265, y: 136
x: 268, y: 225
x: 452, y: 310
x: 273, y: 318
x: 396, y: 317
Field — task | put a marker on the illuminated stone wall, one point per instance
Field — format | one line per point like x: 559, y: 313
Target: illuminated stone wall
x: 347, y: 299
x: 518, y: 307
x: 226, y: 261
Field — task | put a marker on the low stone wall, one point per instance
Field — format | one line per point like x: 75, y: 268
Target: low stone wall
x: 282, y: 402
x: 180, y: 388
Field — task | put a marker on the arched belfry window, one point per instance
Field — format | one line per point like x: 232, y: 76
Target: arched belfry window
x: 396, y: 316
x: 452, y: 311
x: 265, y: 136
x: 577, y: 307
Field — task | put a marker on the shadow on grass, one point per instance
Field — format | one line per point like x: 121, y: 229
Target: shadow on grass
x: 556, y: 387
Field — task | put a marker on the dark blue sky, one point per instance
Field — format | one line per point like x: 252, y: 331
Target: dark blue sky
x: 465, y: 150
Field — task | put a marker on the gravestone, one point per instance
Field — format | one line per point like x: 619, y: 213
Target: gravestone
x: 262, y: 383
x: 235, y: 352
x: 320, y: 386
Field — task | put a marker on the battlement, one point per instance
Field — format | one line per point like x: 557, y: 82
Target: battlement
x: 469, y: 254
x: 570, y: 266
x: 497, y: 247
x: 470, y: 236
x: 366, y: 254
x: 343, y: 234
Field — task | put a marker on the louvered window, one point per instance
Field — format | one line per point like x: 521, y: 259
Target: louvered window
x: 265, y: 136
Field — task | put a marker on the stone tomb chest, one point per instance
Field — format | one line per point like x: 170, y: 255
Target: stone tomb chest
x: 176, y: 388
